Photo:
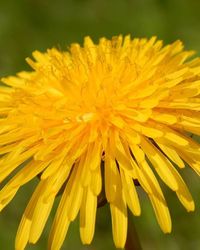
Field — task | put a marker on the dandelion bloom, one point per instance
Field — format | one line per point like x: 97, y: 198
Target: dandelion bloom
x: 94, y: 118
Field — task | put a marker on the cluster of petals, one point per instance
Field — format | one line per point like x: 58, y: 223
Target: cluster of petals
x: 97, y: 119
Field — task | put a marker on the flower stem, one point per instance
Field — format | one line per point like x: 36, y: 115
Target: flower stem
x: 132, y: 241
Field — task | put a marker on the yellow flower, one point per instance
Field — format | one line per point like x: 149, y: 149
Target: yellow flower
x: 99, y: 117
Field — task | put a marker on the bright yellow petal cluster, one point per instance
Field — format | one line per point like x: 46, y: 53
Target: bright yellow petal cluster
x: 99, y: 117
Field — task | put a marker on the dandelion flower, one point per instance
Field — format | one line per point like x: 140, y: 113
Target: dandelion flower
x: 94, y: 118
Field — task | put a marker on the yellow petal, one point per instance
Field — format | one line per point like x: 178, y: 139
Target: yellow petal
x: 164, y: 117
x: 186, y: 156
x: 23, y: 234
x: 172, y: 154
x: 96, y: 181
x: 132, y: 136
x: 163, y: 167
x: 148, y: 131
x: 60, y: 225
x: 112, y: 178
x: 75, y: 194
x: 119, y: 221
x: 58, y: 232
x: 119, y: 152
x: 23, y: 176
x: 130, y: 193
x: 40, y: 216
x: 23, y: 231
x: 7, y: 169
x: 88, y: 216
x: 161, y: 212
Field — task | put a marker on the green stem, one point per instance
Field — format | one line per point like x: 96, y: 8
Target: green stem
x: 132, y: 241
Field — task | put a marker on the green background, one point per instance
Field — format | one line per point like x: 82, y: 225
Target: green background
x: 39, y: 24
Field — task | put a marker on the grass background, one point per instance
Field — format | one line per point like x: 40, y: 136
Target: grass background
x: 26, y: 25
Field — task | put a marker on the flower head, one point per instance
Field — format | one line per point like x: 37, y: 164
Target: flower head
x: 99, y: 117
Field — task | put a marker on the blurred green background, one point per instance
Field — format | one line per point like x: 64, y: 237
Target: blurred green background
x: 26, y: 25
